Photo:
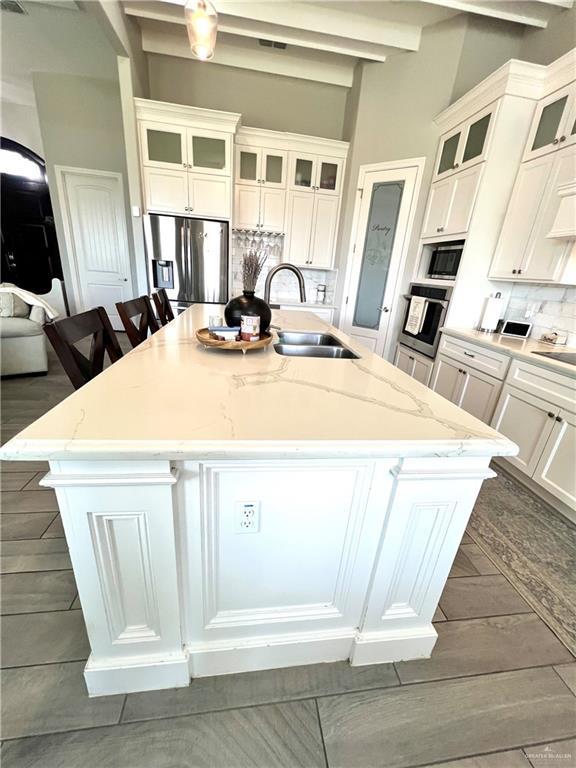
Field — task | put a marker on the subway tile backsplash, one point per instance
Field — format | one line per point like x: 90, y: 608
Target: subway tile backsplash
x: 547, y: 307
x: 285, y: 285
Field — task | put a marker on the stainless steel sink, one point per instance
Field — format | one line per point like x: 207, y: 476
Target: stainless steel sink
x: 309, y: 339
x: 314, y: 350
x: 564, y: 357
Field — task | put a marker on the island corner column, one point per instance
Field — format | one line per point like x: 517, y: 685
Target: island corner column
x: 429, y: 507
x: 118, y: 517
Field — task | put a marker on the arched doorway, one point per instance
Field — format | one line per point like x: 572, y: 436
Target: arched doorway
x: 30, y: 257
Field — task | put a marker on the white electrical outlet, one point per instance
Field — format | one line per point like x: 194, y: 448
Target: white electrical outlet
x: 247, y: 516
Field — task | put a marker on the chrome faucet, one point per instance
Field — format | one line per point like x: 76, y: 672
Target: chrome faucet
x: 277, y: 269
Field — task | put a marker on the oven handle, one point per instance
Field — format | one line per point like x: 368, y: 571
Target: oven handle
x: 443, y: 302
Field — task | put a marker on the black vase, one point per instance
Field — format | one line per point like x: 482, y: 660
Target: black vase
x: 247, y: 304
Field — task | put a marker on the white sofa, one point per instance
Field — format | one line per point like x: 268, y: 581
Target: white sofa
x: 23, y: 344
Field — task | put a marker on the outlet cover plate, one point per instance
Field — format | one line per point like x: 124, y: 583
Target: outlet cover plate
x: 247, y: 517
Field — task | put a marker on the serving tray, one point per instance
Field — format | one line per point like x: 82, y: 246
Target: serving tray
x: 205, y: 337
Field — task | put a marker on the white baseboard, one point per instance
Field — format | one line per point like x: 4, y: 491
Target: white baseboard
x: 396, y: 645
x: 144, y: 675
x: 269, y: 652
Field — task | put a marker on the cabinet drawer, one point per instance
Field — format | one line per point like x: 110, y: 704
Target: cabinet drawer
x: 550, y: 386
x: 483, y: 359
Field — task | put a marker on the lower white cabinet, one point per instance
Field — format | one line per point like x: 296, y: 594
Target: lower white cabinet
x: 472, y: 390
x: 415, y: 365
x: 311, y: 226
x: 528, y: 422
x: 200, y: 194
x: 556, y: 470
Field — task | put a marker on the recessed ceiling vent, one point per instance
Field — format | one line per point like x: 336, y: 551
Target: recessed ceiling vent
x: 12, y: 6
x: 272, y: 44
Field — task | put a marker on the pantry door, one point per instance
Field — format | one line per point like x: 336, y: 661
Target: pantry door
x: 383, y: 218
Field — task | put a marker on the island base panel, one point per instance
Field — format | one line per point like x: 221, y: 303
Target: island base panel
x: 341, y: 559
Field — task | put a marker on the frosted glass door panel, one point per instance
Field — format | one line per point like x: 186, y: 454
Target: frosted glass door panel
x: 448, y: 156
x: 476, y: 138
x: 248, y: 166
x: 274, y: 169
x: 328, y: 176
x: 304, y: 172
x: 549, y: 123
x: 164, y: 146
x: 377, y: 254
x: 209, y: 153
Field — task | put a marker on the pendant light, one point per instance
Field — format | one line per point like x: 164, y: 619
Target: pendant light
x: 202, y: 26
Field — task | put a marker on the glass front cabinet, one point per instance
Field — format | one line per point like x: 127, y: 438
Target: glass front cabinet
x: 315, y: 173
x: 257, y: 165
x: 554, y: 124
x: 466, y: 145
x: 177, y: 147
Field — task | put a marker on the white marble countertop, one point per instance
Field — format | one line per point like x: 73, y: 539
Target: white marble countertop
x: 522, y: 349
x: 172, y: 398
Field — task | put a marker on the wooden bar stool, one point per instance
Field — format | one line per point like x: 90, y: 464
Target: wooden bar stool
x: 66, y: 333
x: 140, y: 308
x: 163, y: 307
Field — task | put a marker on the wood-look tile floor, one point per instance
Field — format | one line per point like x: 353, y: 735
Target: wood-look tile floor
x: 498, y: 692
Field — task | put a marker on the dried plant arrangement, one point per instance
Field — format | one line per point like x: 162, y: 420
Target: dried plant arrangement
x: 252, y: 264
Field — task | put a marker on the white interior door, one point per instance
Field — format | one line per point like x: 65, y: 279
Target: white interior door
x: 94, y: 214
x: 383, y: 220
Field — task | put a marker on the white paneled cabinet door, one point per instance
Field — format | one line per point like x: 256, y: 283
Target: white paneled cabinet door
x: 422, y: 370
x: 94, y: 213
x: 323, y: 231
x: 438, y: 208
x: 520, y: 217
x: 528, y: 422
x: 545, y: 257
x: 248, y: 166
x: 328, y: 173
x: 246, y: 206
x: 550, y: 127
x: 556, y: 468
x: 299, y: 221
x: 272, y: 209
x: 163, y: 145
x: 478, y: 394
x: 166, y: 191
x: 446, y: 379
x: 209, y: 195
x: 465, y: 186
x: 274, y: 167
x: 404, y: 360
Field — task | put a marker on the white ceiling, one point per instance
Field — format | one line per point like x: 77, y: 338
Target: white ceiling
x: 324, y: 39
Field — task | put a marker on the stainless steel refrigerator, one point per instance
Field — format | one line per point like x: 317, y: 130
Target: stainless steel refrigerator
x: 187, y: 257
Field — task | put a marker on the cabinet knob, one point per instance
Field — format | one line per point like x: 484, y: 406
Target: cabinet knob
x: 383, y: 309
x: 456, y: 165
x: 555, y: 141
x: 184, y: 165
x: 410, y: 357
x: 562, y: 138
x: 440, y: 229
x: 514, y: 271
x: 550, y: 415
x: 558, y: 418
x: 519, y: 271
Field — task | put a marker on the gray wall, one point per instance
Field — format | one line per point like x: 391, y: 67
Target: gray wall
x: 265, y: 101
x: 542, y: 46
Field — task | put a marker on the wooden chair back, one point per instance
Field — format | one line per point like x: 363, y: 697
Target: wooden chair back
x: 64, y: 334
x: 163, y: 307
x: 141, y: 309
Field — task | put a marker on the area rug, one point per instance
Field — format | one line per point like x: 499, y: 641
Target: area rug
x: 535, y: 548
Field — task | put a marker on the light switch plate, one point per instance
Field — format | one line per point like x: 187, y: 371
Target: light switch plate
x: 247, y: 517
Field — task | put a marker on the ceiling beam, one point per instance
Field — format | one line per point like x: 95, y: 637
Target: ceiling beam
x: 530, y: 12
x: 247, y: 54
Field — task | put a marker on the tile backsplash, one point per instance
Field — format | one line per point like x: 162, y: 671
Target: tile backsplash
x: 285, y: 285
x: 547, y: 307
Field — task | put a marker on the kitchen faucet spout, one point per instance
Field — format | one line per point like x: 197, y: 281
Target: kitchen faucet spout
x: 290, y: 268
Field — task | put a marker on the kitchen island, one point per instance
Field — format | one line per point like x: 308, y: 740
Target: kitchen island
x: 229, y: 512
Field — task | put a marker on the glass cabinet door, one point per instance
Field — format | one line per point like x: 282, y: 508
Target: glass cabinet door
x: 303, y: 172
x: 328, y: 176
x: 163, y: 146
x: 274, y: 168
x: 549, y: 118
x: 476, y: 138
x: 247, y: 165
x: 209, y: 154
x: 448, y: 154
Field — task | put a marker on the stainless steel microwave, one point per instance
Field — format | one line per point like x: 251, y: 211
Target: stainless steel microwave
x: 444, y: 261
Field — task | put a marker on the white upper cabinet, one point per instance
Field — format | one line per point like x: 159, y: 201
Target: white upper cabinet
x: 315, y: 173
x: 258, y: 165
x: 163, y: 145
x: 209, y: 152
x: 553, y: 126
x: 524, y: 252
x: 166, y: 190
x: 450, y: 204
x: 465, y: 145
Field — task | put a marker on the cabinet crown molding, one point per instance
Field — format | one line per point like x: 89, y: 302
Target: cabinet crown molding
x: 180, y: 114
x: 297, y: 142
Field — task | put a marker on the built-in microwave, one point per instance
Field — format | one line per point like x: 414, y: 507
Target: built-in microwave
x: 445, y: 260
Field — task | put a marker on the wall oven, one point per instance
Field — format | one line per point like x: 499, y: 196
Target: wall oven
x: 423, y: 335
x: 445, y: 260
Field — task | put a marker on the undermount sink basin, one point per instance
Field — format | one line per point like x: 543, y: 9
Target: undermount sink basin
x: 314, y: 350
x: 309, y: 339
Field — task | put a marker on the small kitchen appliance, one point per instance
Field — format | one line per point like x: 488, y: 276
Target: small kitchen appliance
x: 424, y: 317
x: 445, y: 260
x: 517, y: 329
